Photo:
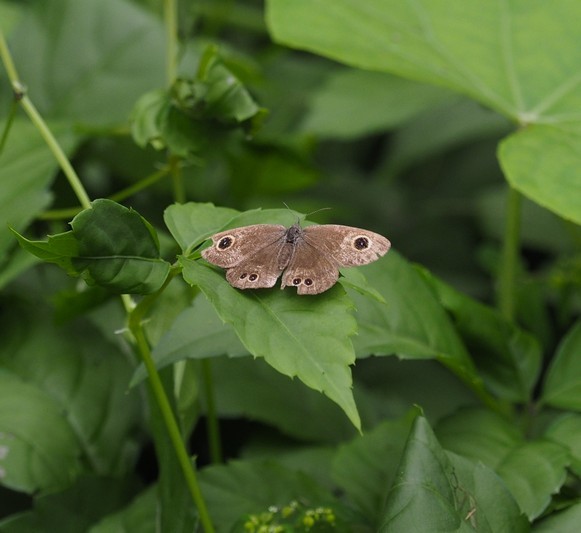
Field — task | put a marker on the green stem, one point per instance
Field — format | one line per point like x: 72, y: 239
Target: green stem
x: 509, y: 260
x: 171, y: 37
x: 212, y: 420
x: 135, y: 326
x: 9, y: 122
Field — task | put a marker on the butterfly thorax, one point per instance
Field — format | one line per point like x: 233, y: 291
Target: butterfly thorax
x: 292, y: 236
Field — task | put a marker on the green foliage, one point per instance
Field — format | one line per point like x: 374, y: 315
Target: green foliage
x: 265, y: 409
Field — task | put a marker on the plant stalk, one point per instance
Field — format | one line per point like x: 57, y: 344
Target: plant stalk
x: 211, y: 418
x: 510, y: 253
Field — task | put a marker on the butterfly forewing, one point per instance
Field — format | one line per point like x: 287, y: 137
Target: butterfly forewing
x: 345, y: 245
x: 231, y: 247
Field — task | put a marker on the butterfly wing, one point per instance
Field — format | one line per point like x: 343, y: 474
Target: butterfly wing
x: 310, y: 271
x: 250, y: 254
x: 345, y: 245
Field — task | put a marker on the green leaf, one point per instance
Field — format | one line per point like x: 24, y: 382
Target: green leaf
x: 118, y: 249
x: 110, y: 246
x: 353, y: 103
x: 279, y: 326
x: 192, y: 223
x: 480, y: 435
x: 566, y: 430
x: 566, y: 521
x: 439, y: 492
x: 542, y: 162
x: 118, y: 54
x: 27, y: 170
x: 533, y: 471
x: 76, y: 399
x: 188, y: 116
x: 366, y: 467
x: 507, y: 357
x: 492, y: 53
x: 223, y: 95
x: 563, y: 383
x: 30, y: 464
x: 406, y: 327
x: 196, y: 333
x: 59, y: 249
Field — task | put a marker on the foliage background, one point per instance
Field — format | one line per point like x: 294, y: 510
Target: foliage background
x: 424, y: 121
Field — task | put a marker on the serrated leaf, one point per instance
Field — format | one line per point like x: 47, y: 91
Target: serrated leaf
x: 279, y: 326
x: 563, y: 383
x: 457, y: 46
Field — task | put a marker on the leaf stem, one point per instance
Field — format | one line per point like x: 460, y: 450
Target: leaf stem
x: 212, y: 420
x: 509, y: 260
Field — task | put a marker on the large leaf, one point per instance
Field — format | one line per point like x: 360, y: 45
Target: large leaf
x: 490, y: 52
x: 533, y: 470
x: 75, y: 399
x: 280, y: 326
x: 435, y: 491
x: 357, y: 102
x: 88, y: 60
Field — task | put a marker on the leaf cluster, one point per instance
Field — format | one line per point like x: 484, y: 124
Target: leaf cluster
x: 436, y: 389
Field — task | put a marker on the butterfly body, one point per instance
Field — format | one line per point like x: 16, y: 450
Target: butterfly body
x: 308, y: 258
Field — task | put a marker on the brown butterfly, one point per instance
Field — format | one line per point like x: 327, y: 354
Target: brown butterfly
x: 308, y: 258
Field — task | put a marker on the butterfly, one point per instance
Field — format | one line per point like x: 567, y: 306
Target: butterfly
x: 308, y: 258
